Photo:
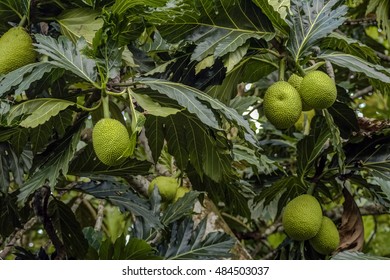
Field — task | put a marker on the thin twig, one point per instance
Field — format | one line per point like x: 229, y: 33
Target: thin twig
x: 100, y: 216
x: 382, y: 56
x: 16, y: 236
x: 362, y: 92
x: 329, y: 70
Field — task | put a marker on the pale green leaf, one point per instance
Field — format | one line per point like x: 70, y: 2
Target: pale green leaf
x: 38, y: 111
x: 153, y: 108
x: 357, y: 64
x: 66, y: 55
x: 80, y: 22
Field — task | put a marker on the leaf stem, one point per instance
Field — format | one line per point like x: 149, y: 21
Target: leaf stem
x: 300, y: 70
x: 106, y: 103
x: 23, y: 21
x: 282, y: 68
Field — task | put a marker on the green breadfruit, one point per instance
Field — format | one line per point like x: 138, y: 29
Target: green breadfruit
x: 302, y: 217
x: 282, y: 105
x: 16, y: 50
x: 327, y: 239
x: 296, y: 81
x: 167, y: 187
x: 318, y: 90
x: 181, y: 191
x: 111, y: 141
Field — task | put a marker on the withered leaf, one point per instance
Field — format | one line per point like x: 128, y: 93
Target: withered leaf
x: 351, y: 229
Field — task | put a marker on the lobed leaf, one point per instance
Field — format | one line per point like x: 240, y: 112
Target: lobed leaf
x: 311, y: 21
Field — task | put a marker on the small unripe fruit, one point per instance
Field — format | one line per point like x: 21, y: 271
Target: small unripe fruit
x: 16, y: 50
x: 282, y: 105
x: 167, y: 187
x: 302, y: 217
x: 327, y: 239
x: 296, y: 81
x: 318, y: 90
x: 181, y: 191
x: 111, y: 141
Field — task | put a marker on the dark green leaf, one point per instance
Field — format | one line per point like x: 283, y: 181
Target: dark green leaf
x: 68, y: 229
x: 57, y: 163
x: 155, y: 134
x: 9, y: 215
x: 340, y: 42
x: 176, y: 140
x: 181, y: 208
x: 134, y: 249
x: 187, y: 243
x: 210, y: 25
x: 284, y: 189
x: 193, y: 100
x: 348, y: 255
x: 87, y: 164
x: 345, y: 118
x: 276, y: 11
x: 122, y: 196
x: 311, y: 146
x: 310, y: 21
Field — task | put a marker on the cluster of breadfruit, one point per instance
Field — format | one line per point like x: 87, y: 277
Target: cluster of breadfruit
x: 302, y: 219
x: 16, y: 49
x: 284, y: 101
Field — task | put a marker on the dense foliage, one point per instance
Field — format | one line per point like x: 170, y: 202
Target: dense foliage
x: 187, y: 79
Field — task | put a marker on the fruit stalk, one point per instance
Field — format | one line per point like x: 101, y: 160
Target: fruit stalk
x: 282, y: 68
x: 106, y: 105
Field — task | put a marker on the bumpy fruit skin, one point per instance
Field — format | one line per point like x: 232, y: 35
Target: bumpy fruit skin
x: 167, y: 187
x: 282, y: 105
x: 296, y: 81
x: 327, y: 239
x: 318, y: 90
x: 181, y: 191
x: 302, y: 217
x: 111, y: 141
x: 16, y: 50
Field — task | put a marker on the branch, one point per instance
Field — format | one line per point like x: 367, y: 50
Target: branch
x: 16, y: 236
x: 362, y: 92
x: 362, y: 21
x: 41, y: 201
x: 100, y: 216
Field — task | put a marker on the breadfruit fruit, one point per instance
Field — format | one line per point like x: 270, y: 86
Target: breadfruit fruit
x: 302, y: 217
x: 111, y: 141
x: 181, y: 191
x: 296, y: 81
x: 318, y: 90
x: 16, y: 50
x: 167, y: 187
x: 282, y: 105
x: 327, y: 239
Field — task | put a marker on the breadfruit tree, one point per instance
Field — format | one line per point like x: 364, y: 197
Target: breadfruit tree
x: 126, y: 124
